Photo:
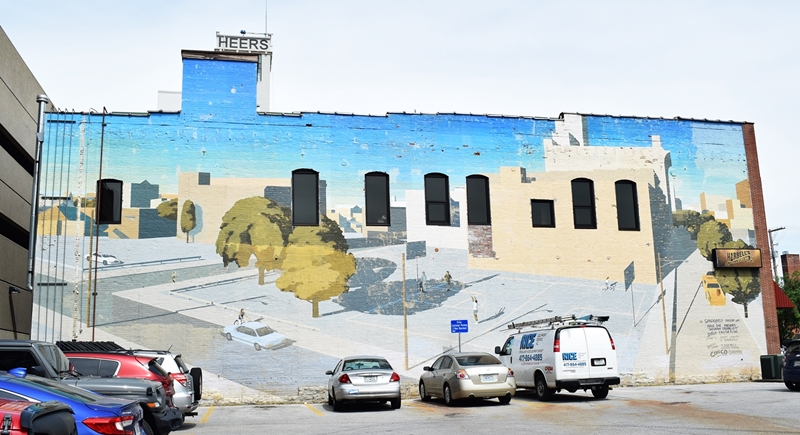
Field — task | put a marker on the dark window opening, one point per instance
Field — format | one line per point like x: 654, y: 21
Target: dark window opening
x: 543, y: 213
x: 305, y: 197
x: 376, y: 198
x: 627, y: 206
x: 583, y: 209
x: 437, y: 200
x: 478, y: 206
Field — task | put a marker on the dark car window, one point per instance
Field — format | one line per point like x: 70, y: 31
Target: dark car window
x: 477, y: 360
x: 338, y: 365
x: 366, y: 363
x: 157, y: 369
x: 509, y: 346
x: 447, y: 363
x: 246, y: 330
x: 11, y: 359
x: 108, y: 368
x: 438, y: 364
x: 55, y: 357
x: 86, y: 366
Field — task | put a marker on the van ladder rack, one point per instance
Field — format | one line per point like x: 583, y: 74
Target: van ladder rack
x: 571, y: 319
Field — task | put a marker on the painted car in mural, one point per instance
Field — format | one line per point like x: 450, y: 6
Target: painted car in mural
x: 256, y: 334
x: 342, y: 228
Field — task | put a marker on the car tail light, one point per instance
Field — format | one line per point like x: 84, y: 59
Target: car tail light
x: 110, y: 425
x: 510, y: 373
x: 181, y: 378
x: 556, y: 345
x: 612, y: 343
x: 395, y: 377
x: 169, y: 386
x: 462, y: 374
x: 344, y: 379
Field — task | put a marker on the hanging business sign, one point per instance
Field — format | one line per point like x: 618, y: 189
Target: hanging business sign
x: 727, y: 258
x: 244, y: 43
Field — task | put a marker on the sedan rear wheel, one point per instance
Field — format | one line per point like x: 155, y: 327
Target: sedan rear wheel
x: 257, y: 346
x: 505, y: 400
x: 794, y: 386
x: 228, y: 336
x: 423, y: 394
x: 330, y: 399
x: 448, y: 395
x: 396, y: 403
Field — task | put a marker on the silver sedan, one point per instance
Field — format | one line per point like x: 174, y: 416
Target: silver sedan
x: 363, y: 378
x: 467, y: 376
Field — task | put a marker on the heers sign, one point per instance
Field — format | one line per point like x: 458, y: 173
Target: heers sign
x: 247, y: 43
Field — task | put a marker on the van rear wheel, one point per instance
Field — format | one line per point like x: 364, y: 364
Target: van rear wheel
x: 600, y: 392
x: 543, y: 392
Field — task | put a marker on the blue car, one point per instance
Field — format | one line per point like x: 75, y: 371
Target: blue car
x: 94, y: 414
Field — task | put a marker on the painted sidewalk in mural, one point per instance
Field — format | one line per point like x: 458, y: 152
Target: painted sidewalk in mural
x: 143, y: 304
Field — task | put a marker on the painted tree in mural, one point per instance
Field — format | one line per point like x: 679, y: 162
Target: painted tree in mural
x: 168, y: 209
x: 692, y: 220
x: 188, y: 218
x: 316, y: 263
x: 254, y: 227
x: 741, y: 283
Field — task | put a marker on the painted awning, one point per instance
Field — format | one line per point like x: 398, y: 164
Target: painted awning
x: 781, y: 300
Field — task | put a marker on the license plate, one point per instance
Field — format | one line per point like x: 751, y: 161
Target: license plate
x: 369, y: 379
x: 137, y: 429
x: 797, y: 363
x: 489, y: 378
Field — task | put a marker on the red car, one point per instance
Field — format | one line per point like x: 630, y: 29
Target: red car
x: 25, y: 418
x: 123, y: 366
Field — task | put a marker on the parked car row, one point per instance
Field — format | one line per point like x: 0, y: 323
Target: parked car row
x: 107, y: 389
x: 548, y: 355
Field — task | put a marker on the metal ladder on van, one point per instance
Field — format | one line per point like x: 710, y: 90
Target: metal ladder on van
x: 590, y: 319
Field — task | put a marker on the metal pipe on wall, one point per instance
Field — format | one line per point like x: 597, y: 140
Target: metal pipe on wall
x: 37, y: 158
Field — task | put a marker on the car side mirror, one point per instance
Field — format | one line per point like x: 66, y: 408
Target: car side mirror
x: 38, y: 371
x: 329, y: 373
x: 427, y: 369
x: 497, y: 350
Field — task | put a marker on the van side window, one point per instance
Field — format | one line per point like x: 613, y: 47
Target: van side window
x: 509, y: 346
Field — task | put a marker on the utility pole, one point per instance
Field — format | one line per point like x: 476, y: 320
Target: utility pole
x: 772, y: 253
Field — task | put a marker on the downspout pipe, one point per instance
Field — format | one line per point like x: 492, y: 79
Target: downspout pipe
x: 43, y: 100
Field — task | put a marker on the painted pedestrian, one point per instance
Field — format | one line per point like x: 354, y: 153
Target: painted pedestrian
x: 475, y: 307
x: 447, y: 279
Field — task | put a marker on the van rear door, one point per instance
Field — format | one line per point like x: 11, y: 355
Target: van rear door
x: 602, y: 359
x: 573, y: 362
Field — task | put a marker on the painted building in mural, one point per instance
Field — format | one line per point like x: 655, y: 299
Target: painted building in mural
x: 350, y: 234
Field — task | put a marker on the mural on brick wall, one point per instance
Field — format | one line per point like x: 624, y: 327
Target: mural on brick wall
x: 582, y: 214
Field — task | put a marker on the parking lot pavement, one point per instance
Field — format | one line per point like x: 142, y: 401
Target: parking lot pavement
x: 756, y: 407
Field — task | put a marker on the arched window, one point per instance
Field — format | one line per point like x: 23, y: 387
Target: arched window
x: 376, y: 198
x: 627, y: 206
x: 305, y: 197
x: 478, y: 206
x: 583, y: 210
x: 437, y: 199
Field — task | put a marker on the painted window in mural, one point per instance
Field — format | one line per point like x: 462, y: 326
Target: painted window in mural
x: 376, y: 198
x: 627, y: 206
x: 543, y: 213
x: 478, y: 208
x: 437, y: 199
x: 305, y: 197
x: 583, y: 210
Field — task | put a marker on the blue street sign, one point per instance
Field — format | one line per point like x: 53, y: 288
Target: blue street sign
x: 459, y: 326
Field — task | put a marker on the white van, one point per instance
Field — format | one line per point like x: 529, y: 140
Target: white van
x: 562, y: 353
